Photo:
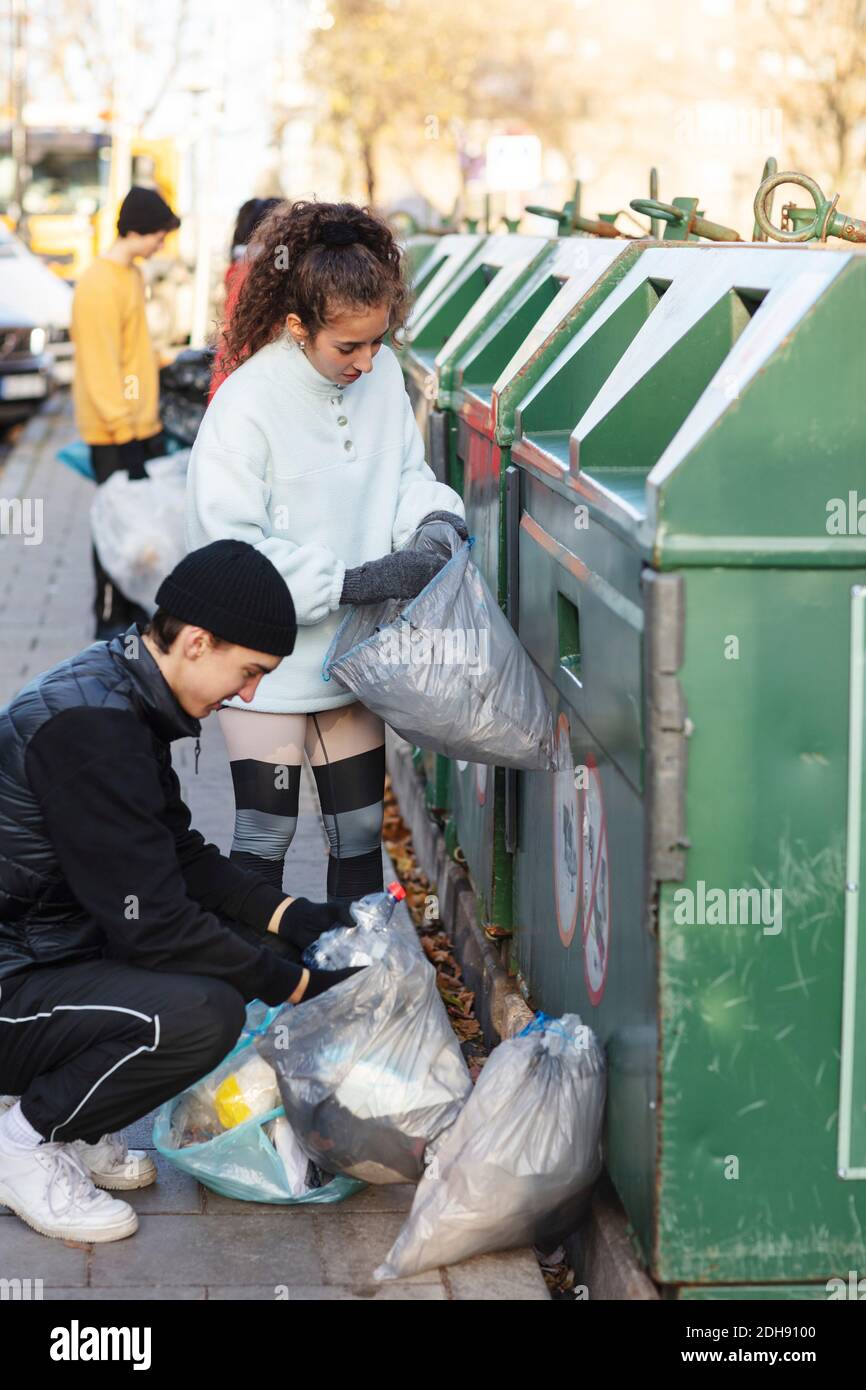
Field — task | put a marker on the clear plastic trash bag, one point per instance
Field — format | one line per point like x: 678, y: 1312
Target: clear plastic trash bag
x: 137, y: 526
x: 518, y: 1165
x: 257, y: 1159
x: 446, y: 669
x: 370, y: 1072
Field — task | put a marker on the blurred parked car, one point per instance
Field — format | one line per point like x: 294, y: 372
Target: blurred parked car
x: 35, y: 346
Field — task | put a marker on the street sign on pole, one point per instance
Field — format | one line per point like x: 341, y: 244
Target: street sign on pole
x: 513, y: 163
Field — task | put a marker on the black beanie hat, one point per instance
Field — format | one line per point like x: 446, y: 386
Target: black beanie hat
x: 232, y: 590
x: 144, y: 211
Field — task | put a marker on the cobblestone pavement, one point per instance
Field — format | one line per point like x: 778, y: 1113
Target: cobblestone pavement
x: 191, y: 1243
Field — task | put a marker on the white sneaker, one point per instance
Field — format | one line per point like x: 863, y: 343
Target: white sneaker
x: 49, y: 1188
x: 112, y: 1165
x: 7, y: 1102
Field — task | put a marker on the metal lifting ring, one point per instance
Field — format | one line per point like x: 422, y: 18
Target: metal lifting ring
x: 816, y: 229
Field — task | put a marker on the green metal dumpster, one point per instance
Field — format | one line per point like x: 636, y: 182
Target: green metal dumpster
x: 483, y: 379
x: 430, y: 281
x: 456, y: 302
x: 691, y: 580
x: 418, y: 249
x: 474, y: 279
x: 444, y: 257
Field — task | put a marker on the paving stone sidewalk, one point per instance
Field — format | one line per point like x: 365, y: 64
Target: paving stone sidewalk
x: 191, y: 1243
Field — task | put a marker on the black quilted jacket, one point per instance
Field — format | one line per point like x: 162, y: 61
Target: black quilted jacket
x: 97, y: 855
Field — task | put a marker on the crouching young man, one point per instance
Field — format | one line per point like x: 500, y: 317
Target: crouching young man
x: 128, y: 945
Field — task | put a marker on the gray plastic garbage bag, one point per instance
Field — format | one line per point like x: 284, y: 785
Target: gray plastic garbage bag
x: 517, y: 1166
x: 446, y: 670
x: 370, y: 1072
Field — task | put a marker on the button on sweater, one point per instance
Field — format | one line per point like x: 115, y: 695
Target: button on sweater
x: 320, y: 477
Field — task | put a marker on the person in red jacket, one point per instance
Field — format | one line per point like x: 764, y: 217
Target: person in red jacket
x: 250, y: 215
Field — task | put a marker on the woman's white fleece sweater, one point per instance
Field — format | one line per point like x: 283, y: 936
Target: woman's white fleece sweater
x: 319, y: 478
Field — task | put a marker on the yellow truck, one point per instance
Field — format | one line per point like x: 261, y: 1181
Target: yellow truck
x: 68, y: 215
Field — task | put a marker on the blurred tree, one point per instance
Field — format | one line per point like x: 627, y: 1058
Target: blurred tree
x: 819, y: 81
x: 399, y: 72
x: 73, y: 52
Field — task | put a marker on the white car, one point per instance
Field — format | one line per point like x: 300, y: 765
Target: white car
x: 35, y: 314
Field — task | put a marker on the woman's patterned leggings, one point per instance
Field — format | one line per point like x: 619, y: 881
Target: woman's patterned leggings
x: 346, y: 751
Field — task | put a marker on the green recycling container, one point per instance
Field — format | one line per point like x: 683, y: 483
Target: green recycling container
x: 430, y: 283
x: 456, y: 303
x: 483, y: 379
x: 475, y: 276
x: 691, y: 582
x: 418, y: 249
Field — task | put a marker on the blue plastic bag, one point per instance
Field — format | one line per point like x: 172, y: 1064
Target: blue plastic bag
x: 243, y: 1162
x: 77, y: 457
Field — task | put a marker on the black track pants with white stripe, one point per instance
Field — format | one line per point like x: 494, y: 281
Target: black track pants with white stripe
x: 92, y: 1047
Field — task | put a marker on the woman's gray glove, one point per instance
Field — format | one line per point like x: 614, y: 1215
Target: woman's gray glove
x: 401, y: 575
x: 453, y: 520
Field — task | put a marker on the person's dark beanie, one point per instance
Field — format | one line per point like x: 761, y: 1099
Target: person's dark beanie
x: 144, y: 211
x: 232, y: 590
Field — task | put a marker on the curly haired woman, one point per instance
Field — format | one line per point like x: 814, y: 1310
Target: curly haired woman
x: 310, y: 451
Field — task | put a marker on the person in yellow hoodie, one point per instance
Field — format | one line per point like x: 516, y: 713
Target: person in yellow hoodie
x: 116, y: 385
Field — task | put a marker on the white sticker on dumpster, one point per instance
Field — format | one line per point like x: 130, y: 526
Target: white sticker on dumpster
x: 481, y: 771
x: 594, y: 884
x: 566, y: 825
x: 481, y: 774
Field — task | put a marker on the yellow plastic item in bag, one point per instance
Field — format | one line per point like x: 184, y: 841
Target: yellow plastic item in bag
x: 251, y: 1090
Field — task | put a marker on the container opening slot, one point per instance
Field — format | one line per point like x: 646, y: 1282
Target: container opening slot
x: 454, y: 308
x: 557, y: 405
x: 752, y: 299
x: 638, y: 427
x: 496, y: 352
x: 568, y: 630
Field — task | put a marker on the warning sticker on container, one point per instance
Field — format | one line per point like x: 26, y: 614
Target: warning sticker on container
x: 566, y: 829
x: 594, y: 883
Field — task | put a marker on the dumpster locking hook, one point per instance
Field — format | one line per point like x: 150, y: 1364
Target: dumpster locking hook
x: 825, y: 222
x: 683, y: 219
x: 770, y: 167
x: 569, y: 221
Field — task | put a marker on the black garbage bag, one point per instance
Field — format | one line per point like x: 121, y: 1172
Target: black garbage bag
x: 183, y: 390
x: 189, y: 374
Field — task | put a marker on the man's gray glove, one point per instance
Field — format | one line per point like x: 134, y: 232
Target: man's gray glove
x: 453, y: 520
x: 401, y: 575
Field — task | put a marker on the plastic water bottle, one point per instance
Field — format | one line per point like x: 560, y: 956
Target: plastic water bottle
x: 376, y: 909
x: 362, y: 944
